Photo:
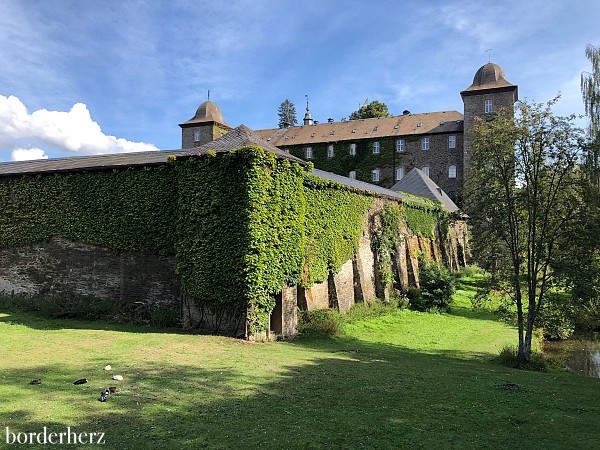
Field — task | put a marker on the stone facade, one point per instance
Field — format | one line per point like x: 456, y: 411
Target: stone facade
x: 63, y: 267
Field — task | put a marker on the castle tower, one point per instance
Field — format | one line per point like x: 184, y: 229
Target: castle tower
x: 489, y: 93
x: 206, y: 126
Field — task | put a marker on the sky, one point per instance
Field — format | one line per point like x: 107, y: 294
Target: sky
x: 87, y: 77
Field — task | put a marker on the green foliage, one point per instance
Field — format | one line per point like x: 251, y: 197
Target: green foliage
x: 510, y: 357
x: 328, y: 322
x: 240, y: 236
x: 557, y: 316
x: 422, y: 219
x: 372, y: 110
x: 362, y: 162
x: 128, y: 209
x: 522, y: 196
x: 437, y: 287
x: 334, y: 224
x: 386, y: 238
x: 287, y: 114
x: 590, y: 90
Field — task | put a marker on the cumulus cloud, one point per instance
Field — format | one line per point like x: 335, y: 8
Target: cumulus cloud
x: 26, y: 154
x: 74, y: 131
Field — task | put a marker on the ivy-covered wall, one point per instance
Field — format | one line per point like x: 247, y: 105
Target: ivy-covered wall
x: 242, y: 224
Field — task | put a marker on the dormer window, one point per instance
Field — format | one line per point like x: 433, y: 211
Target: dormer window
x: 197, y: 136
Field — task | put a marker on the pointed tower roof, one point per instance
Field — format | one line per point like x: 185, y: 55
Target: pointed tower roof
x: 416, y: 182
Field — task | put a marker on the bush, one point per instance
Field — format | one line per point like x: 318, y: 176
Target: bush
x: 470, y: 271
x: 509, y: 356
x: 437, y: 287
x: 557, y: 317
x: 327, y: 322
x: 376, y: 308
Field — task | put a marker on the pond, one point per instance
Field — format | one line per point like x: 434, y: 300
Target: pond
x: 577, y: 356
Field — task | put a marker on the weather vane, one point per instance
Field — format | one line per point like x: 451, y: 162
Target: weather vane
x: 489, y: 52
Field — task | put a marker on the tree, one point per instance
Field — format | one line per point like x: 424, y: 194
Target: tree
x: 373, y: 109
x: 590, y: 90
x: 522, y: 194
x: 287, y: 114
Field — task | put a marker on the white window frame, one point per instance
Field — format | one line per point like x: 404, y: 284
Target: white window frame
x: 376, y: 148
x: 425, y: 170
x: 352, y: 150
x: 488, y: 106
x: 452, y: 171
x: 425, y: 143
x: 197, y: 135
x: 452, y: 141
x: 352, y: 175
x: 330, y: 153
x: 400, y: 145
x: 399, y: 173
x: 375, y: 175
x: 308, y: 154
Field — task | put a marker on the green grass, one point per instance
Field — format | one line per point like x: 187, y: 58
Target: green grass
x: 403, y: 380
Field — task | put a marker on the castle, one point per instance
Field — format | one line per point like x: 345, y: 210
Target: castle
x: 382, y: 150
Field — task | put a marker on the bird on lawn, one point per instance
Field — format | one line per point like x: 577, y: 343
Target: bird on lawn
x: 36, y: 381
x: 104, y: 395
x: 80, y: 381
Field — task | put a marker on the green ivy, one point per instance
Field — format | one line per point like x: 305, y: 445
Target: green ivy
x: 334, y: 224
x: 242, y: 224
x: 422, y: 219
x: 386, y: 238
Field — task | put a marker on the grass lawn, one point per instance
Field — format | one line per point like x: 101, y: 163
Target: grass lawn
x: 403, y: 380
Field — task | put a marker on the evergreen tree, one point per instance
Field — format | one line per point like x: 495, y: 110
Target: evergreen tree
x: 287, y: 114
x: 373, y: 109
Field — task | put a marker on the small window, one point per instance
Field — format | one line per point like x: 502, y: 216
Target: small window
x: 352, y: 149
x: 488, y: 106
x: 452, y: 141
x: 197, y: 136
x: 452, y: 171
x: 399, y: 173
x: 330, y: 151
x: 375, y: 175
x: 425, y: 170
x: 287, y: 150
x: 352, y: 175
x: 425, y: 144
x: 400, y: 145
x: 376, y: 148
x: 308, y: 153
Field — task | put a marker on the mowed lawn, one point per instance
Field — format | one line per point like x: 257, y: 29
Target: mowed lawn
x: 405, y: 380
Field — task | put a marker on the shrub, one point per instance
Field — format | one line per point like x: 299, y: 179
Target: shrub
x: 557, y: 317
x: 327, y: 322
x: 509, y: 357
x: 376, y: 308
x: 437, y: 287
x: 470, y: 271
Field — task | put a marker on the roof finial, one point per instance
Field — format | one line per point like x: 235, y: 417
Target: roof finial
x: 489, y: 52
x: 208, y: 95
x: 307, y: 117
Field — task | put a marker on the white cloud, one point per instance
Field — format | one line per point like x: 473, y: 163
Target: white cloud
x: 73, y: 131
x: 26, y: 154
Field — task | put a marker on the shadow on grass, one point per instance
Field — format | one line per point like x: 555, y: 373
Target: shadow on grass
x: 351, y: 395
x: 39, y: 321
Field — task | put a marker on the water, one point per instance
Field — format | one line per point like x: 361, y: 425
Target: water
x: 577, y: 356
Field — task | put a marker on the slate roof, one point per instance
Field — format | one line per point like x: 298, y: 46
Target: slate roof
x: 351, y: 130
x: 236, y: 138
x: 416, y: 182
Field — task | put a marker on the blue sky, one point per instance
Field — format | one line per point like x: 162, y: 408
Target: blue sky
x: 86, y: 76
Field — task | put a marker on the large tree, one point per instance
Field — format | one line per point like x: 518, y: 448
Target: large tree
x: 522, y: 193
x: 373, y: 109
x: 287, y: 114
